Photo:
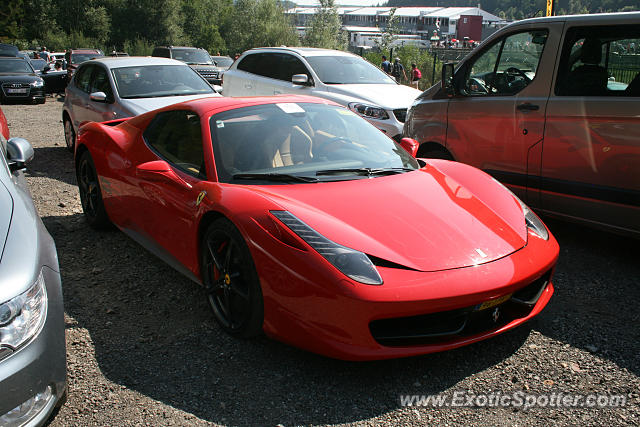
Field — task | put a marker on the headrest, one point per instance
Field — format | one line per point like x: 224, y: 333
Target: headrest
x: 591, y: 52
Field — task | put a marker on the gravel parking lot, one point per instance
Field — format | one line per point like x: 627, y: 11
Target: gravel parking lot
x: 143, y: 348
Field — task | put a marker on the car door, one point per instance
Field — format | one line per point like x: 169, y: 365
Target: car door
x: 277, y: 69
x: 78, y: 95
x: 241, y: 80
x: 496, y: 122
x: 170, y: 198
x: 591, y: 156
x: 100, y: 111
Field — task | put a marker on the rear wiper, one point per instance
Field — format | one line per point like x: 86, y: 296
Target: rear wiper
x: 364, y: 171
x: 283, y: 177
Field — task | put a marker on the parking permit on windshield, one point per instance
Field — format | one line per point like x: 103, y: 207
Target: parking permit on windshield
x: 290, y: 108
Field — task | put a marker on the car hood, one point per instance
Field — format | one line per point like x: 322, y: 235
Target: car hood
x: 424, y: 220
x: 19, y: 78
x: 388, y: 96
x: 142, y: 105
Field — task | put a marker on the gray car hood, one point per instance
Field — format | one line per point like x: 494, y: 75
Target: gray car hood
x: 388, y: 96
x: 142, y: 105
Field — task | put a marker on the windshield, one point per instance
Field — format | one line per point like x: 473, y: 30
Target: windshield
x: 347, y: 70
x: 222, y: 61
x: 78, y: 58
x: 152, y: 81
x: 192, y: 56
x: 38, y: 64
x: 15, y: 66
x: 286, y: 141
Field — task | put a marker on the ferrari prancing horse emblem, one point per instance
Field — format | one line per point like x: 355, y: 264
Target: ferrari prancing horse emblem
x: 200, y: 197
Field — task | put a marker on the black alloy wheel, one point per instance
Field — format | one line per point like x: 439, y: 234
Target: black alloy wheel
x: 90, y: 194
x: 231, y: 281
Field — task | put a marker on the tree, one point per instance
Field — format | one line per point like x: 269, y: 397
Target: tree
x: 325, y: 29
x: 388, y: 34
x: 202, y: 22
x: 256, y: 23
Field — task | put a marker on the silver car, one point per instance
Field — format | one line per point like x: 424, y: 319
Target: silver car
x: 32, y: 343
x: 106, y: 89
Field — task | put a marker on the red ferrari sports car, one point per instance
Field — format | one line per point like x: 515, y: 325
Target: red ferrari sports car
x: 305, y: 222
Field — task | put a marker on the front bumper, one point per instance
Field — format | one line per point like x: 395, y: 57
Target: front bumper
x: 393, y: 126
x: 29, y: 95
x: 38, y: 367
x: 309, y: 304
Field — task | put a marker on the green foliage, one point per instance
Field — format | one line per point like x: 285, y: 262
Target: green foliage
x: 408, y: 55
x: 388, y: 34
x: 325, y: 29
x: 138, y: 47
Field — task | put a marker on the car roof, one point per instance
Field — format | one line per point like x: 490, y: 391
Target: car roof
x: 303, y: 51
x: 594, y: 18
x: 135, y: 61
x: 85, y: 51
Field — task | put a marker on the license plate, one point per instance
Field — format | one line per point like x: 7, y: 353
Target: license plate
x: 24, y: 90
x: 493, y: 302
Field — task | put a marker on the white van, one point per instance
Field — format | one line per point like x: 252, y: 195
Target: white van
x: 551, y: 108
x: 341, y: 77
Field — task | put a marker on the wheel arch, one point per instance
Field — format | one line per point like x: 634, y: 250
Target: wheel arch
x: 429, y: 148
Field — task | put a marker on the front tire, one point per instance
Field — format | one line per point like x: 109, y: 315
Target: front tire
x: 69, y: 134
x: 231, y: 280
x: 90, y: 194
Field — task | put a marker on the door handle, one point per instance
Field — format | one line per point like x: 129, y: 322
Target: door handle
x: 248, y: 86
x: 528, y: 107
x: 277, y: 92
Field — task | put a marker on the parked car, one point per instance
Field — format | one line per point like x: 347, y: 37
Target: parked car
x: 222, y: 64
x: 112, y: 88
x: 550, y: 107
x: 275, y: 205
x: 338, y: 76
x: 196, y: 58
x: 32, y: 341
x: 20, y: 82
x: 55, y: 81
x: 8, y: 50
x: 75, y: 57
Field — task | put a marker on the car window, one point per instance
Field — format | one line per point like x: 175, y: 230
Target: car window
x: 347, y: 69
x: 83, y: 77
x: 288, y: 66
x: 192, y: 56
x: 176, y: 137
x: 600, y: 61
x: 250, y: 63
x: 507, y: 66
x: 146, y: 81
x: 100, y: 82
x: 15, y: 66
x: 299, y: 138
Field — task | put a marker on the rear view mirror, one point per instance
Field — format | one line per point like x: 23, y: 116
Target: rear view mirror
x: 410, y: 145
x: 300, y: 79
x: 19, y: 152
x: 159, y: 170
x: 447, y: 79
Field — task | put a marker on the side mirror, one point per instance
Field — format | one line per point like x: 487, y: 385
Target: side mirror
x: 410, y: 145
x: 98, y: 97
x: 300, y: 79
x: 159, y: 170
x: 19, y: 152
x: 447, y: 79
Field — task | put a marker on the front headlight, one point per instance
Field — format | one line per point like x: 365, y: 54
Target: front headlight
x: 533, y: 222
x: 37, y: 83
x: 22, y: 317
x: 369, y: 111
x: 352, y: 263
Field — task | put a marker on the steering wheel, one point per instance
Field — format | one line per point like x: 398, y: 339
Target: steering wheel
x: 332, y: 145
x: 517, y: 72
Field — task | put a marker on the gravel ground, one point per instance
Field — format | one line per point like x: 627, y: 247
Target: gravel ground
x: 143, y: 348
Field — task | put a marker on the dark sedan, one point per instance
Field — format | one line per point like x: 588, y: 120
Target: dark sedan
x: 19, y: 82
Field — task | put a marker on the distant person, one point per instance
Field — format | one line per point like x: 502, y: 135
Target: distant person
x: 386, y: 65
x: 416, y: 75
x: 44, y: 53
x: 397, y: 71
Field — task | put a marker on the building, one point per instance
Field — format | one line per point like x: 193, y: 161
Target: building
x: 416, y: 24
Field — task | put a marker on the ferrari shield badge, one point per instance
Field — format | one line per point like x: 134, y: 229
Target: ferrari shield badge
x: 200, y: 197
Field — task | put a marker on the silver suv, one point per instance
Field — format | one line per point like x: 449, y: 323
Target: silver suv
x: 32, y: 343
x: 339, y: 76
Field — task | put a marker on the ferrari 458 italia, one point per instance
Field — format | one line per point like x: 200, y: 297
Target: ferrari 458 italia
x: 305, y: 222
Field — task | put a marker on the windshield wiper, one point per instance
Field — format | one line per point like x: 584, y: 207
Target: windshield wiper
x: 282, y: 177
x: 364, y: 171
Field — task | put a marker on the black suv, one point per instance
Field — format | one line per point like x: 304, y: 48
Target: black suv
x: 195, y: 57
